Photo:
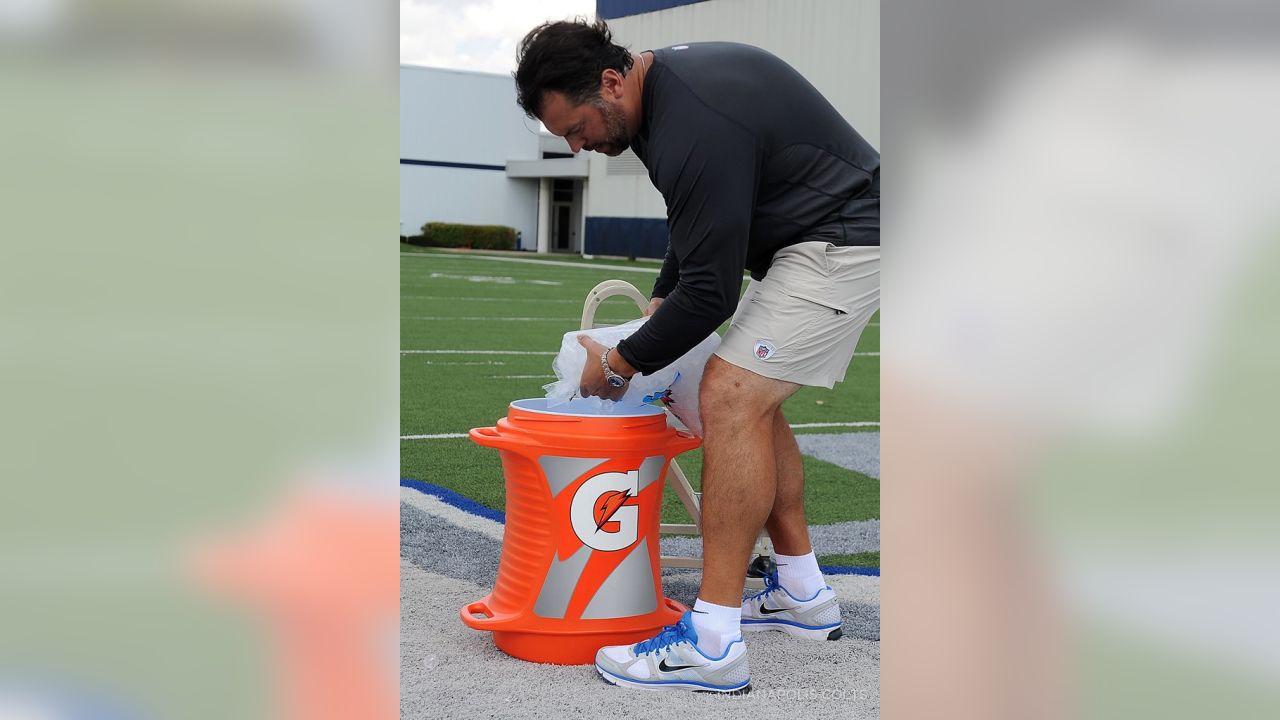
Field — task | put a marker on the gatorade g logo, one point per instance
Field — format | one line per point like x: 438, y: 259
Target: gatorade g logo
x: 600, y: 514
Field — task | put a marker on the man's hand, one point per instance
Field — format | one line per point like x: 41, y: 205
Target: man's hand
x: 593, y: 381
x: 651, y: 309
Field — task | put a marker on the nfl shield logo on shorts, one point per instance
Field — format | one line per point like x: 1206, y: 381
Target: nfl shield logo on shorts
x: 764, y: 349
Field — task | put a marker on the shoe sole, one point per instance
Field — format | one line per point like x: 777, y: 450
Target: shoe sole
x: 827, y: 633
x: 619, y: 682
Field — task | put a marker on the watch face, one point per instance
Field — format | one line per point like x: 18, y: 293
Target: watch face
x: 617, y: 381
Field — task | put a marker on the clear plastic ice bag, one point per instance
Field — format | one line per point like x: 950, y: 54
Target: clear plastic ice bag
x: 676, y: 384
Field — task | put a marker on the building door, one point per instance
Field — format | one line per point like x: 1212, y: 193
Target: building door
x: 562, y: 230
x: 561, y: 226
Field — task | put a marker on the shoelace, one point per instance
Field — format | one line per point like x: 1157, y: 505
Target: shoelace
x: 670, y: 635
x: 771, y: 583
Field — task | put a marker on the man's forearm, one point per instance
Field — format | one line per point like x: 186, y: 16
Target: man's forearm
x: 619, y: 364
x: 674, y: 330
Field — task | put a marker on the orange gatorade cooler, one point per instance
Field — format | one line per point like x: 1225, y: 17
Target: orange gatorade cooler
x: 579, y: 567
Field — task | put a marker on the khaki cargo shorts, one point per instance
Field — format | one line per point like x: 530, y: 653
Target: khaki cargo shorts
x: 802, y: 322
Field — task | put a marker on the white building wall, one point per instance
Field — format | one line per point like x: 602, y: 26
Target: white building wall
x: 474, y: 197
x: 464, y: 117
x: 807, y: 34
x: 620, y: 187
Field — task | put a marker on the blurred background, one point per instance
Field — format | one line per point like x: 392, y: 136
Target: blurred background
x: 197, y: 340
x: 1080, y: 299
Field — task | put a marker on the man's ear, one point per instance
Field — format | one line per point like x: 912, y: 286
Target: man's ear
x: 611, y: 83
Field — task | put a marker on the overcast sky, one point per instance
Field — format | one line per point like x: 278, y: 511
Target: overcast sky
x: 475, y: 34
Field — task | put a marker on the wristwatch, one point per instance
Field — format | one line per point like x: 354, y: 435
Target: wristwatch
x: 615, y: 380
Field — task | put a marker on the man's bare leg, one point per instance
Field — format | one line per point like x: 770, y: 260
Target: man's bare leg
x: 787, y: 526
x: 739, y: 472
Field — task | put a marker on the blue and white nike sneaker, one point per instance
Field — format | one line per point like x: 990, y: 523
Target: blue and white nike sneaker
x: 817, y: 618
x: 671, y: 660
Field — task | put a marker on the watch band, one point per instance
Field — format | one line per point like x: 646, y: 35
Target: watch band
x: 614, y: 379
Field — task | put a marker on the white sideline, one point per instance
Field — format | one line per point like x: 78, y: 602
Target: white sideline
x: 851, y: 588
x: 432, y: 505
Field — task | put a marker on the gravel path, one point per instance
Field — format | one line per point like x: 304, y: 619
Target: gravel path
x: 859, y: 452
x: 450, y: 558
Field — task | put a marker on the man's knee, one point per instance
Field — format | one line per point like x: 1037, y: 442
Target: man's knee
x: 731, y: 394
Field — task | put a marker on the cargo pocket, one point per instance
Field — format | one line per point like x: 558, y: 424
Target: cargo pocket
x: 836, y: 308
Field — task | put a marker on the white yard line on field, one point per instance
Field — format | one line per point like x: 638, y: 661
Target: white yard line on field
x: 554, y: 263
x: 463, y: 299
x: 472, y: 318
x: 480, y: 318
x: 499, y: 279
x: 836, y: 424
x: 440, y: 436
x: 475, y: 352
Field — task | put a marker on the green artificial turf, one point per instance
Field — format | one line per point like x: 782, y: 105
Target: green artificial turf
x: 482, y: 310
x: 864, y: 559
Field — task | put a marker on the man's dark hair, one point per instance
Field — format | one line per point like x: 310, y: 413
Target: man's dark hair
x: 568, y: 57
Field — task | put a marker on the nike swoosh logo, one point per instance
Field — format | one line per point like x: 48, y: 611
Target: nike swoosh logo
x: 664, y: 667
x: 769, y: 610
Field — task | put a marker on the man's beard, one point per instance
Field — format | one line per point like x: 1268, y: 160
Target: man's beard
x: 615, y: 125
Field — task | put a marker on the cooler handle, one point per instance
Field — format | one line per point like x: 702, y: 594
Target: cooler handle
x: 490, y: 437
x: 487, y: 436
x: 467, y: 613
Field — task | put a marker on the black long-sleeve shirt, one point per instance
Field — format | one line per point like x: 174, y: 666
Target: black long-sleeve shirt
x: 750, y: 158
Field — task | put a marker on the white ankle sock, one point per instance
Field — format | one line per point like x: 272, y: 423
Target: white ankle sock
x: 799, y: 575
x: 716, y: 626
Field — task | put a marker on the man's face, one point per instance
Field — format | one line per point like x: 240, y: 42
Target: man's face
x: 598, y: 124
